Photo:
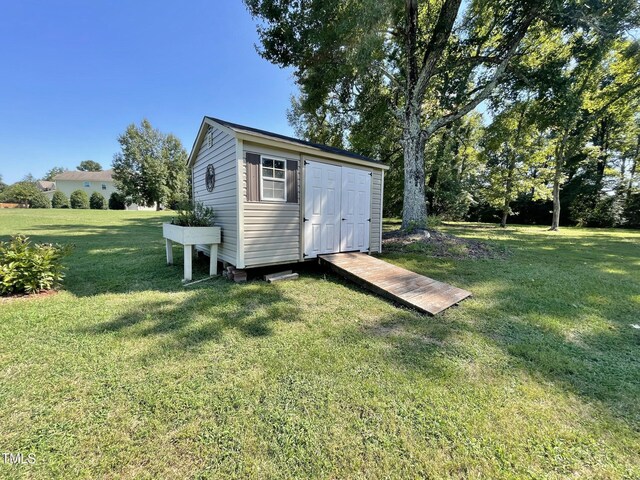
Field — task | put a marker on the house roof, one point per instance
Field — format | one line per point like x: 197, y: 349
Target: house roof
x: 103, y: 176
x: 45, y: 185
x: 318, y: 146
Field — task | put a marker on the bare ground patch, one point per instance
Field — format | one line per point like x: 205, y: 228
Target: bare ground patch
x: 439, y: 244
x: 28, y: 296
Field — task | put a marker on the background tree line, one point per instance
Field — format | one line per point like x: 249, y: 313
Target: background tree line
x: 149, y: 170
x: 557, y: 82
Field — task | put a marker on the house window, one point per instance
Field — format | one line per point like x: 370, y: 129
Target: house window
x: 87, y: 184
x: 104, y: 186
x: 273, y: 175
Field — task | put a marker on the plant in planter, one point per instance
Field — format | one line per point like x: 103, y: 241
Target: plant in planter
x: 193, y: 226
x: 197, y: 215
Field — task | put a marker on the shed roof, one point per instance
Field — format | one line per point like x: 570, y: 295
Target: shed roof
x: 103, y: 176
x: 325, y: 148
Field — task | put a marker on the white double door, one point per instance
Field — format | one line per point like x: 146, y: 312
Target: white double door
x: 337, y: 209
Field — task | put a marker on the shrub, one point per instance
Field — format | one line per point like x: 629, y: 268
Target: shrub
x: 30, y: 268
x: 117, y: 201
x: 632, y: 210
x: 197, y: 215
x: 40, y: 200
x: 97, y: 201
x: 603, y: 214
x: 79, y: 199
x: 20, y: 192
x: 59, y: 200
x: 435, y: 221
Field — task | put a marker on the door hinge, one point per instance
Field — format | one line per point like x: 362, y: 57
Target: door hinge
x: 305, y: 219
x: 304, y: 255
x: 369, y: 220
x: 306, y: 163
x: 371, y: 174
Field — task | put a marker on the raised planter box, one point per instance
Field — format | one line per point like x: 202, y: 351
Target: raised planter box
x: 189, y: 237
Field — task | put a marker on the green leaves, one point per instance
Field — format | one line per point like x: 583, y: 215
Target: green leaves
x: 79, y: 200
x: 190, y: 215
x: 59, y: 200
x: 89, y: 166
x: 30, y: 268
x: 151, y: 168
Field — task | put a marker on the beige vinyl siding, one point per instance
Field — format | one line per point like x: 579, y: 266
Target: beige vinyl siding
x: 271, y: 229
x: 223, y: 199
x: 375, y: 229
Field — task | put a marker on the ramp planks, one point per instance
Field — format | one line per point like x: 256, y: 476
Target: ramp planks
x: 403, y: 286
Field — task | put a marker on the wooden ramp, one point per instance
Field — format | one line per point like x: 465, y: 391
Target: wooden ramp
x: 403, y: 286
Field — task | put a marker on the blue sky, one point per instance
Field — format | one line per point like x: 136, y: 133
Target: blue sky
x: 74, y: 74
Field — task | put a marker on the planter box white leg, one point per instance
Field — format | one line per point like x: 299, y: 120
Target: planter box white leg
x: 189, y: 237
x: 213, y: 259
x: 188, y: 249
x: 169, y: 252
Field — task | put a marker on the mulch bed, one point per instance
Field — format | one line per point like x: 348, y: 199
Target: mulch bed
x: 28, y: 296
x: 439, y: 244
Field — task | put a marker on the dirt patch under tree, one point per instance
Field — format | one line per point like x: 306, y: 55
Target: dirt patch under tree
x: 438, y: 244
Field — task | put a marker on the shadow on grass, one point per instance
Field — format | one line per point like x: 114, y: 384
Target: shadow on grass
x: 563, y: 316
x: 204, y: 316
x: 540, y: 297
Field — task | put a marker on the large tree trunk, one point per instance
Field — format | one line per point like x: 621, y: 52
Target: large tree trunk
x: 414, y: 211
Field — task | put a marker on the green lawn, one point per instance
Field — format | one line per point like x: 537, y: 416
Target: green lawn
x: 128, y: 374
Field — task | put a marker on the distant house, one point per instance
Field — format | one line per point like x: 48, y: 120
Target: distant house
x: 101, y: 182
x: 47, y: 187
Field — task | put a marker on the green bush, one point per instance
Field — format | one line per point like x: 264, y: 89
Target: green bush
x: 40, y: 200
x: 59, y: 200
x: 30, y: 268
x: 632, y: 210
x: 435, y: 221
x: 194, y: 215
x: 21, y: 192
x: 117, y: 201
x: 97, y: 201
x: 79, y: 199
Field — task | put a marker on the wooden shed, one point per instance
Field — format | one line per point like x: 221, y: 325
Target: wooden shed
x: 282, y: 200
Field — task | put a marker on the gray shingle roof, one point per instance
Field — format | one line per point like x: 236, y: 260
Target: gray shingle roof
x: 103, y: 176
x: 319, y: 146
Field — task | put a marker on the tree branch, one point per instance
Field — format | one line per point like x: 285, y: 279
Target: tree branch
x: 437, y: 44
x: 490, y: 85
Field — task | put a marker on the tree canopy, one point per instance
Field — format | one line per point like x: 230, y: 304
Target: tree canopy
x: 50, y: 175
x: 89, y: 166
x: 395, y: 74
x: 151, y: 168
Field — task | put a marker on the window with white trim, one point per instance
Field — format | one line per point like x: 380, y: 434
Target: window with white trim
x: 104, y: 186
x: 87, y: 184
x: 273, y: 179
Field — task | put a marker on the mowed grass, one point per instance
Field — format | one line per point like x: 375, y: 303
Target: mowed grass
x: 128, y: 374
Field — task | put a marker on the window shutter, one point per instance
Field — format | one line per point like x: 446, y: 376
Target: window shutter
x: 292, y: 181
x: 253, y: 177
